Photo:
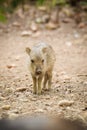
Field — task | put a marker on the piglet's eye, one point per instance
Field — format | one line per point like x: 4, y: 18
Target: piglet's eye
x: 32, y: 61
x: 43, y: 61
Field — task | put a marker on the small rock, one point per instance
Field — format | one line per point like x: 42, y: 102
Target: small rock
x: 66, y: 20
x: 33, y: 99
x: 42, y: 8
x: 21, y: 89
x: 13, y: 115
x: 65, y: 103
x: 66, y: 77
x: 84, y: 109
x: 16, y: 111
x: 81, y: 25
x: 38, y: 20
x: 17, y: 58
x: 76, y: 35
x: 6, y: 107
x: 52, y: 26
x: 26, y: 33
x: 48, y: 104
x: 36, y: 34
x: 34, y: 27
x: 23, y: 99
x: 11, y: 66
x: 68, y: 43
x: 16, y: 24
x: 39, y: 111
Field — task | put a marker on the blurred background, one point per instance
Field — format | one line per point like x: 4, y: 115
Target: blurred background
x: 76, y: 9
x: 63, y: 25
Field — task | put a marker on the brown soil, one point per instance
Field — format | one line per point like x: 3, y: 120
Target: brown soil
x: 69, y: 76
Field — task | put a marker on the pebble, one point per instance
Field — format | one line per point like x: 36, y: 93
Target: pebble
x: 52, y: 26
x: 66, y: 20
x: 38, y: 20
x: 34, y: 27
x: 39, y: 111
x: 33, y: 99
x: 13, y: 115
x: 11, y: 66
x: 16, y: 24
x: 68, y: 44
x: 76, y: 35
x: 65, y: 103
x: 21, y: 89
x: 26, y: 33
x: 6, y: 107
x: 42, y: 8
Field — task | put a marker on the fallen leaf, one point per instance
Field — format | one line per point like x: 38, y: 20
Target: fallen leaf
x: 76, y: 35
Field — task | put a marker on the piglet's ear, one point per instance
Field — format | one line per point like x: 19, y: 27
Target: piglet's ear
x: 28, y: 50
x: 44, y: 50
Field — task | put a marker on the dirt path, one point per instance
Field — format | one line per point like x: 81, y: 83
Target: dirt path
x: 69, y: 76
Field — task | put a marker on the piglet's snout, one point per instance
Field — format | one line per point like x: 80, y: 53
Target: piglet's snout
x: 38, y: 71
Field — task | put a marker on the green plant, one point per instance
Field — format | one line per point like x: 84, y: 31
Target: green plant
x: 40, y: 2
x: 2, y: 18
x: 51, y: 2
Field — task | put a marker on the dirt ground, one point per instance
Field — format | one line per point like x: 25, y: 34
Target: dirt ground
x: 69, y: 75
